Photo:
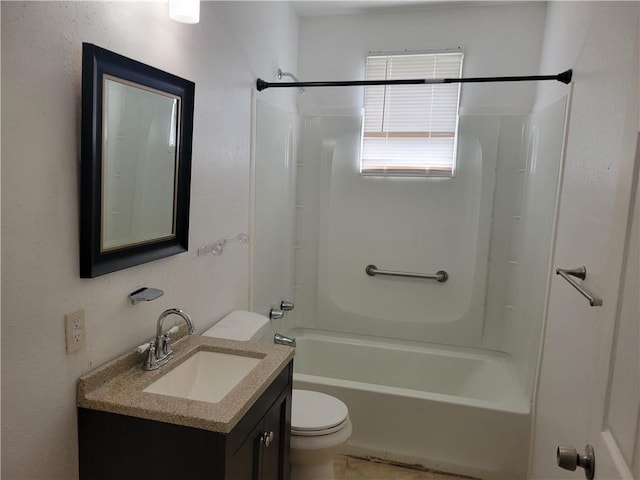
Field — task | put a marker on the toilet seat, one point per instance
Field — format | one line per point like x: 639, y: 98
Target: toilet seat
x: 315, y: 413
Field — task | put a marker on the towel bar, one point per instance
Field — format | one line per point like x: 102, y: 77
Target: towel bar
x: 581, y: 273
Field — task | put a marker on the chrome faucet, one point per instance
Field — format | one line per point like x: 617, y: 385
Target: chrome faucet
x: 282, y: 340
x: 160, y: 350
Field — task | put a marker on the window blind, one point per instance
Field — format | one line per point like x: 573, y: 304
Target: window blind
x: 411, y: 130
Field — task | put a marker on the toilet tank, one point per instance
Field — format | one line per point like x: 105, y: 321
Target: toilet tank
x: 240, y: 325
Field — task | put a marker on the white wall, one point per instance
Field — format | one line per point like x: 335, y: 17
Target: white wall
x: 497, y: 40
x: 41, y: 65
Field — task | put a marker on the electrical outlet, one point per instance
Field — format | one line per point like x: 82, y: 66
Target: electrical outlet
x: 74, y: 329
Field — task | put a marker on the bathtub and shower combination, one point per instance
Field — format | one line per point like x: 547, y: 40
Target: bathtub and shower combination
x: 439, y: 375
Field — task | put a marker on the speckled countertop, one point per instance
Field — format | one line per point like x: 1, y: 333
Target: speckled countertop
x: 117, y: 386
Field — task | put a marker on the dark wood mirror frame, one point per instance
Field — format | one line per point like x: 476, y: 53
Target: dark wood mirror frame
x: 96, y: 63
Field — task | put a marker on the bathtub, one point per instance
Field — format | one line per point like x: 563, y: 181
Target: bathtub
x: 445, y: 408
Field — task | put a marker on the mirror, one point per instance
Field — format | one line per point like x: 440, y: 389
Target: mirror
x: 137, y: 124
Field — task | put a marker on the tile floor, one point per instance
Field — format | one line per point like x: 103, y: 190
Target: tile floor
x: 352, y: 468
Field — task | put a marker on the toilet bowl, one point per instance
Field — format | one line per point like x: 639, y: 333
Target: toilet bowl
x: 320, y: 423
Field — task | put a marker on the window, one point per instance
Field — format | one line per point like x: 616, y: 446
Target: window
x: 411, y: 130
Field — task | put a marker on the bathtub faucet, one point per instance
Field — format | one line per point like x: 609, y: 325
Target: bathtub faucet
x: 282, y: 340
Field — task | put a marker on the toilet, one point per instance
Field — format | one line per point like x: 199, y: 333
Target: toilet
x: 320, y: 423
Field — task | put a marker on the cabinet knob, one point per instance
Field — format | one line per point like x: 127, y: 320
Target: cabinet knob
x: 266, y: 438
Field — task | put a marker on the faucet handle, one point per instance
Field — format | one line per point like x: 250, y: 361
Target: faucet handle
x: 166, y: 340
x: 165, y: 349
x: 286, y: 306
x: 275, y: 314
x: 172, y: 330
x: 150, y: 363
x: 143, y: 348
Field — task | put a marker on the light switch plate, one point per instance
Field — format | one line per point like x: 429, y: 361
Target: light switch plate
x: 74, y: 330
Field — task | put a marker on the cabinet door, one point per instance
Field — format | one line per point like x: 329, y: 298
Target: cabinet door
x: 265, y: 453
x: 245, y: 463
x: 275, y: 456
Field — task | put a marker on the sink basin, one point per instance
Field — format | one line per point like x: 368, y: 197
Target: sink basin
x: 206, y: 376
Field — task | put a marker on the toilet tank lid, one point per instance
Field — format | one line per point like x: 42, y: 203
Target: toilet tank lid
x: 316, y: 411
x: 240, y: 325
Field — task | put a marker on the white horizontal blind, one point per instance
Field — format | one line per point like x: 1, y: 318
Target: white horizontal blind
x: 411, y: 130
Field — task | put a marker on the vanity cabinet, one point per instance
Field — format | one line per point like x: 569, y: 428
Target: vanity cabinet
x: 114, y: 446
x: 264, y: 454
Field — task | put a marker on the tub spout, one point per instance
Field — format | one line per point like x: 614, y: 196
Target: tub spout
x: 282, y: 340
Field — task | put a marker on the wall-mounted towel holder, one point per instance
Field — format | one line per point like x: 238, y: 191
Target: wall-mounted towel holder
x: 581, y: 273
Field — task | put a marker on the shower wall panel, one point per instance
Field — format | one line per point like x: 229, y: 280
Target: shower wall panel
x: 273, y: 234
x: 346, y: 221
x: 490, y: 228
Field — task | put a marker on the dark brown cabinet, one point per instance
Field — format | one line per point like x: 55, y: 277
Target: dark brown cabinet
x: 114, y: 446
x: 264, y: 455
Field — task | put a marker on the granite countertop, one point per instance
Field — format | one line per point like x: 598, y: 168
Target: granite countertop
x: 117, y: 386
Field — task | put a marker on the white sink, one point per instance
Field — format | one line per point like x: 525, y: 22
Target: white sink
x: 206, y: 376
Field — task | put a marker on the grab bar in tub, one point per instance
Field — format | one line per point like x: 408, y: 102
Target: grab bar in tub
x: 440, y: 275
x: 581, y: 273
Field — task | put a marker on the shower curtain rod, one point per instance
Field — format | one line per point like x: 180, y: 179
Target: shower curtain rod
x: 564, y: 77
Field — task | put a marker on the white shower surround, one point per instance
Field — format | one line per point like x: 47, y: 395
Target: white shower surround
x: 459, y: 405
x: 403, y: 390
x: 490, y: 228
